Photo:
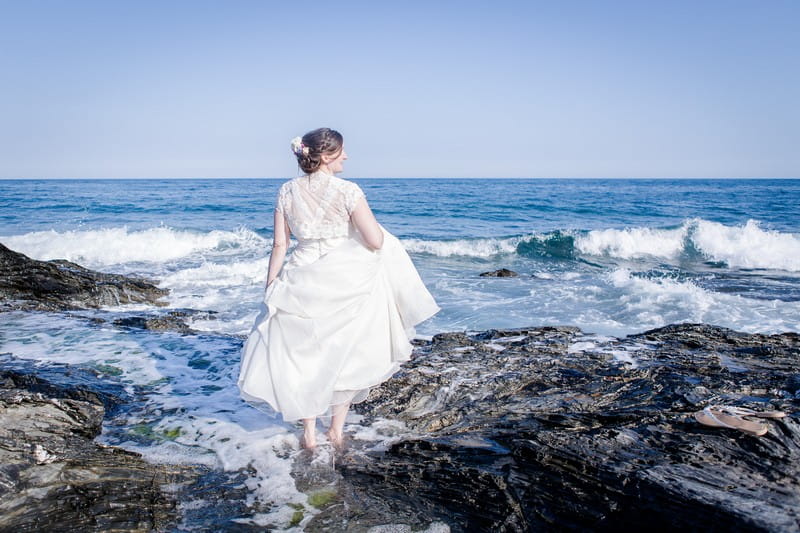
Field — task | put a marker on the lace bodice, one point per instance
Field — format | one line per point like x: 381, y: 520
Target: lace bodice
x: 318, y: 205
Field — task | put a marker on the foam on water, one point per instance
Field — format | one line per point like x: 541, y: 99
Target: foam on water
x: 266, y: 451
x: 650, y: 303
x: 581, y: 346
x: 382, y: 433
x: 224, y: 269
x: 633, y: 242
x: 217, y: 275
x: 218, y: 286
x: 57, y: 339
x: 745, y: 246
x: 463, y: 247
x: 434, y: 527
x: 614, y: 302
x: 748, y: 246
x: 114, y: 246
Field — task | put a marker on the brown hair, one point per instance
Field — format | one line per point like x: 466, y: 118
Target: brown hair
x: 319, y: 141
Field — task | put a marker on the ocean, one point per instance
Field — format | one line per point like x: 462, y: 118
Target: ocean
x: 613, y: 257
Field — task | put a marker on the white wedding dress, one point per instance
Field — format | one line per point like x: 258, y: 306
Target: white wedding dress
x: 339, y: 317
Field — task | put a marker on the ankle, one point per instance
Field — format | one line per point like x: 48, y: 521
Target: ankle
x: 309, y: 439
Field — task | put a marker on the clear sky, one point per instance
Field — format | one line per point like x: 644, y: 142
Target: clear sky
x: 698, y: 88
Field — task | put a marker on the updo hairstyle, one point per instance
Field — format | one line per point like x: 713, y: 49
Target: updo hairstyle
x: 320, y: 141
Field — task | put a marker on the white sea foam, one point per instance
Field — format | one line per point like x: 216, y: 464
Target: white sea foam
x: 633, y: 242
x: 223, y: 287
x: 112, y: 246
x: 263, y: 451
x: 582, y: 346
x: 464, y: 247
x: 657, y: 302
x: 434, y: 527
x: 748, y: 246
x: 55, y: 339
x: 381, y: 433
x: 649, y: 303
x: 212, y: 275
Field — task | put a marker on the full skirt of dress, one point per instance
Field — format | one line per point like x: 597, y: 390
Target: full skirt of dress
x: 335, y: 322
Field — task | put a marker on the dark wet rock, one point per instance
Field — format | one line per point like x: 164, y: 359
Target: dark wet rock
x: 29, y: 284
x: 548, y: 428
x: 61, y: 381
x: 166, y: 322
x: 169, y: 321
x: 54, y: 477
x: 502, y: 273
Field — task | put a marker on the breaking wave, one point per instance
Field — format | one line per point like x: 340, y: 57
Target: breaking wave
x: 113, y: 246
x: 745, y: 246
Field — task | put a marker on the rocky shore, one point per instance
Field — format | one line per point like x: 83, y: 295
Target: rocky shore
x: 54, y: 477
x: 503, y: 430
x: 549, y: 429
x: 28, y: 284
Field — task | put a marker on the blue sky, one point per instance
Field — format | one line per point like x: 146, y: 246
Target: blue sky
x: 418, y: 89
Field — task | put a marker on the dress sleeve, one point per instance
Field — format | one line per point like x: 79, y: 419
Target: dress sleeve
x: 280, y: 201
x: 352, y: 194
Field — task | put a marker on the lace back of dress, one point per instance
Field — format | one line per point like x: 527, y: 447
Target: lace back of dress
x: 315, y: 207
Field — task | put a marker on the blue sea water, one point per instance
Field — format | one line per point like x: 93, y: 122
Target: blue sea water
x: 610, y: 256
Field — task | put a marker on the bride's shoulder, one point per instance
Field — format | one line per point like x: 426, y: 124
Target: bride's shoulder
x: 345, y: 184
x: 289, y: 183
x: 286, y: 186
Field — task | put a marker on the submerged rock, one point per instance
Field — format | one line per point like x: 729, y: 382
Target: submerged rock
x: 502, y: 273
x: 29, y: 284
x: 547, y: 428
x: 53, y: 476
x: 172, y: 321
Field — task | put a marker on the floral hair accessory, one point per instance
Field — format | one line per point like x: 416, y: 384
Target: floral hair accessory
x: 298, y: 147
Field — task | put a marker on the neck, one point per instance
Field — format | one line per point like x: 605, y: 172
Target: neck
x: 326, y: 169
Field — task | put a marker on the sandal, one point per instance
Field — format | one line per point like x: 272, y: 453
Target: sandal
x: 714, y: 416
x: 744, y: 411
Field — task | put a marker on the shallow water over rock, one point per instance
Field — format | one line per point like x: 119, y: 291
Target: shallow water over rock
x: 54, y: 477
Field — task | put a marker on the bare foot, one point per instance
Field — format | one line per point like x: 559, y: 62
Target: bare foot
x: 308, y: 441
x: 336, y: 439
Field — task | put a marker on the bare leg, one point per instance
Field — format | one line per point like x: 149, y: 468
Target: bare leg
x: 335, y: 433
x: 309, y: 433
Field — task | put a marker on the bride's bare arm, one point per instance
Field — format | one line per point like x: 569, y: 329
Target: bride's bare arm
x: 365, y: 223
x: 280, y: 243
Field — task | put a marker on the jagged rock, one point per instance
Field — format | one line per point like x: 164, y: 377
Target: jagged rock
x: 29, y: 284
x: 502, y: 273
x: 54, y: 477
x: 547, y: 428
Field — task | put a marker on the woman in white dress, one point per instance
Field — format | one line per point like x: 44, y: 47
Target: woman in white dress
x: 337, y: 318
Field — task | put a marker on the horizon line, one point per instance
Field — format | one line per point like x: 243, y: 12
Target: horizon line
x: 420, y: 178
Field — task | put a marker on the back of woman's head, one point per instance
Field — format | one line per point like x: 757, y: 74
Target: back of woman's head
x: 313, y: 145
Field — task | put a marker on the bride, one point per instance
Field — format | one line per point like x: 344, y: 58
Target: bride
x: 337, y: 318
